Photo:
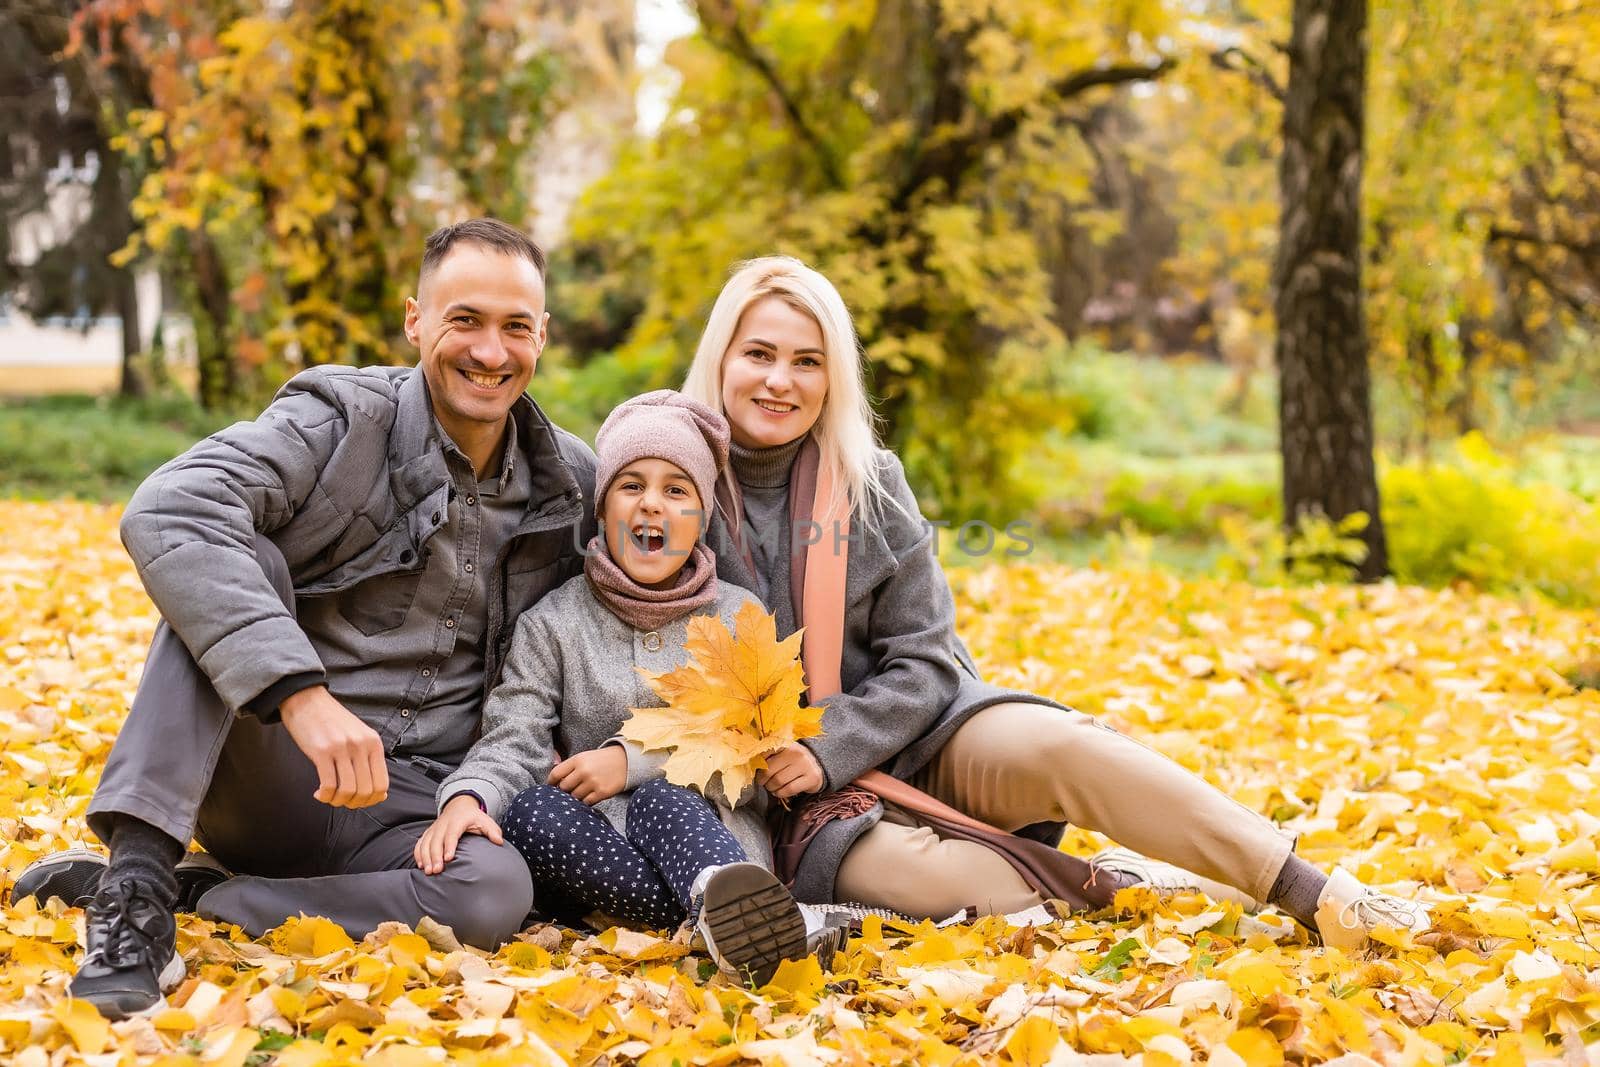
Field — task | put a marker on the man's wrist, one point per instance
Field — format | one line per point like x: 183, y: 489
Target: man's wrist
x: 267, y: 704
x: 308, y: 697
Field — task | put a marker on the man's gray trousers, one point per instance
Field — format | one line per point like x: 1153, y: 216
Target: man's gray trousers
x: 186, y: 765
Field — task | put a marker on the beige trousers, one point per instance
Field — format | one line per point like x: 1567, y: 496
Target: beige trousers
x: 1016, y: 764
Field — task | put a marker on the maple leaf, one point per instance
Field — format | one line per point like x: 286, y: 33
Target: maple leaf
x: 735, y: 702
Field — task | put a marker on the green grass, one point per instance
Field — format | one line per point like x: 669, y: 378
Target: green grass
x: 95, y: 448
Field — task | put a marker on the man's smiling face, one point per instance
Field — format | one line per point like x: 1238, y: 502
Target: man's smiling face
x: 478, y: 321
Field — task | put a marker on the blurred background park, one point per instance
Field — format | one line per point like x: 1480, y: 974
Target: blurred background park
x: 1070, y: 233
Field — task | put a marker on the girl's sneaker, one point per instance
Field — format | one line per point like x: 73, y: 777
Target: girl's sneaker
x: 749, y: 921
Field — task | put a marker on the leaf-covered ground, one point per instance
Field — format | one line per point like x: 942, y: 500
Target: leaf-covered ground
x: 1428, y: 740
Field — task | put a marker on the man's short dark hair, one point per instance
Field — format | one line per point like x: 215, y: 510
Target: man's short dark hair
x: 489, y: 233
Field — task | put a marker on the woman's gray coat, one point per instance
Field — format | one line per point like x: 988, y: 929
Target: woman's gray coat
x: 909, y: 683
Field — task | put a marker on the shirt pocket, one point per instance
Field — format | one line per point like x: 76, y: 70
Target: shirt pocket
x: 379, y: 605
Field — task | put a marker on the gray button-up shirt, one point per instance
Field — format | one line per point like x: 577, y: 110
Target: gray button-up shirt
x: 405, y: 652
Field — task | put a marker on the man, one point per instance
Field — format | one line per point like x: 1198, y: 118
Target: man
x: 338, y: 582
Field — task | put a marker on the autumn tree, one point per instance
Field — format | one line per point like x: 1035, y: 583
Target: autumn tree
x: 1324, y: 383
x: 1478, y: 189
x: 924, y: 156
x: 305, y: 149
x: 64, y: 104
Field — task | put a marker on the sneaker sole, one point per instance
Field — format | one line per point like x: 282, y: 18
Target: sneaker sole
x: 82, y: 887
x: 753, y: 921
x: 170, y: 978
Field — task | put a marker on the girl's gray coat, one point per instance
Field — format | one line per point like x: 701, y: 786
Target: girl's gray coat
x: 568, y: 683
x: 909, y: 683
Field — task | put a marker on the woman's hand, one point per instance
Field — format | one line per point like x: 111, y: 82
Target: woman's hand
x: 791, y: 772
x: 592, y: 776
x: 461, y: 815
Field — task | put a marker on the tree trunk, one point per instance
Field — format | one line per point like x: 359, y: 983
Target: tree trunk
x: 1325, y: 403
x: 213, y: 334
x: 132, y: 383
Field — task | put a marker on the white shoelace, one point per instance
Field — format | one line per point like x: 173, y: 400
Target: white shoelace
x: 1376, y: 909
x: 1153, y: 873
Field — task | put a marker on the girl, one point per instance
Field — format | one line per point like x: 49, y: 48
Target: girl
x: 820, y: 521
x: 602, y: 830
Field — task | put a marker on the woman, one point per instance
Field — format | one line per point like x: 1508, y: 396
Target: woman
x: 810, y: 491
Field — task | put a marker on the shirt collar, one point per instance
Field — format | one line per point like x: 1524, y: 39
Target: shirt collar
x: 508, y: 455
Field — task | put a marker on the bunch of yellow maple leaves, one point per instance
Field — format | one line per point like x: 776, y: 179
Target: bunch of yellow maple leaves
x: 1427, y: 740
x: 736, y: 701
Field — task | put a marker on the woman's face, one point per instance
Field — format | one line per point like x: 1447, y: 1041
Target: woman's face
x: 774, y: 375
x: 652, y: 521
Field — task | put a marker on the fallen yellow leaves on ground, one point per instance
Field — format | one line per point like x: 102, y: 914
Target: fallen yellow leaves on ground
x: 1428, y: 740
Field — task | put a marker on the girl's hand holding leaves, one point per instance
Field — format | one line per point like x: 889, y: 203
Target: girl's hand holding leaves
x: 736, y: 702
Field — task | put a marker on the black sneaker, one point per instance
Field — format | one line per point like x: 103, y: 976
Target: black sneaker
x: 198, y: 872
x: 749, y: 921
x: 132, y: 958
x: 73, y: 875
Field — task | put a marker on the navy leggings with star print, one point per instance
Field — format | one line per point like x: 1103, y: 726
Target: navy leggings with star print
x: 579, y: 858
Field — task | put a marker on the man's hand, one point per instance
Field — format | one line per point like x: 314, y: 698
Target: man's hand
x: 347, y: 753
x: 592, y: 776
x: 791, y: 771
x: 461, y: 815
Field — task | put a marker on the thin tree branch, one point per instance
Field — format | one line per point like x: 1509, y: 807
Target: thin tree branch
x: 1577, y: 303
x: 1250, y: 67
x: 724, y: 16
x: 1508, y: 234
x: 951, y: 157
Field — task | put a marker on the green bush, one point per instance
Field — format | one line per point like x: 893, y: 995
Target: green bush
x: 1176, y: 406
x: 1186, y: 506
x: 579, y: 396
x: 1320, y: 550
x: 99, y: 448
x: 1473, y: 519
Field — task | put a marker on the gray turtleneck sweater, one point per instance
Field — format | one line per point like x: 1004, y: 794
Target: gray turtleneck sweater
x: 763, y: 475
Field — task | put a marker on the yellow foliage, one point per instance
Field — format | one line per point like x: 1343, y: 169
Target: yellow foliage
x: 736, y: 701
x: 1425, y: 739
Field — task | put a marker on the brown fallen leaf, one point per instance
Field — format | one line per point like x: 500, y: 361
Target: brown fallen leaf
x: 1417, y: 1007
x: 439, y: 936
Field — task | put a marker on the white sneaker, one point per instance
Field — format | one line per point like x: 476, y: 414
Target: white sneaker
x: 1347, y: 912
x: 1167, y: 878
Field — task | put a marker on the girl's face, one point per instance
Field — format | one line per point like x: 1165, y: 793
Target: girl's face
x: 774, y: 375
x: 652, y: 521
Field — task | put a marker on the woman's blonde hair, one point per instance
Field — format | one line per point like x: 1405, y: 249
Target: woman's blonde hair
x: 844, y: 429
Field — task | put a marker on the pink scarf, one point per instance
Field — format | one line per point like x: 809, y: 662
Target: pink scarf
x: 651, y: 609
x: 816, y: 572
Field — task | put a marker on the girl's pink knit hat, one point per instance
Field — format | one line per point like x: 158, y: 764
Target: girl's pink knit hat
x: 665, y: 425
